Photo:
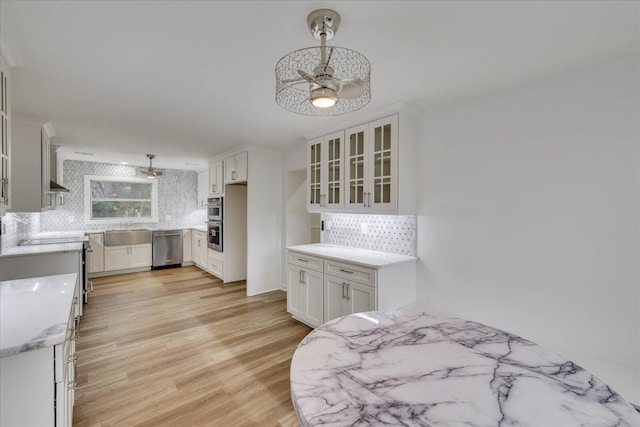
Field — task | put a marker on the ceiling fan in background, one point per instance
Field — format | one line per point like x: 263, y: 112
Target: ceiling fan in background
x: 151, y: 172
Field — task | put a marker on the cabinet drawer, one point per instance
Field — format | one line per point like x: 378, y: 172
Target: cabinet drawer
x: 306, y: 261
x: 351, y: 272
x: 215, y: 264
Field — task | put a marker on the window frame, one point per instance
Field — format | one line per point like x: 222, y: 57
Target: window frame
x: 119, y: 220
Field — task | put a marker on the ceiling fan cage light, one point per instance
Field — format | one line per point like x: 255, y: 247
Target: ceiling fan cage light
x: 293, y: 91
x: 323, y: 98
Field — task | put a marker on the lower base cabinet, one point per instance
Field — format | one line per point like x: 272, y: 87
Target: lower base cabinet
x: 215, y: 263
x: 343, y: 297
x: 124, y: 257
x: 38, y: 386
x: 199, y: 248
x: 321, y: 289
x: 304, y: 295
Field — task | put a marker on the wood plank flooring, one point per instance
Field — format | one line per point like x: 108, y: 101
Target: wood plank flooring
x: 177, y: 347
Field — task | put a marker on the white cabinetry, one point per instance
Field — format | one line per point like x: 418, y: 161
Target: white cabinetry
x: 216, y: 178
x: 325, y: 173
x: 235, y: 168
x: 5, y: 135
x: 346, y: 287
x: 203, y: 188
x: 215, y: 263
x: 371, y: 177
x: 305, y: 293
x: 96, y: 256
x: 38, y: 386
x: 29, y: 166
x: 124, y: 257
x: 199, y: 248
x: 186, y: 246
x: 377, y: 160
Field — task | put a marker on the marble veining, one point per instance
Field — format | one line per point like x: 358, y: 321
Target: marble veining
x: 34, y: 312
x: 364, y: 257
x: 398, y: 368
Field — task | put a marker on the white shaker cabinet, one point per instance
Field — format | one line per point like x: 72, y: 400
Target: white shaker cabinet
x: 96, y: 256
x: 215, y: 263
x: 325, y: 173
x: 305, y: 288
x: 186, y: 245
x: 199, y: 249
x: 129, y: 256
x: 216, y: 178
x: 350, y: 281
x: 203, y: 189
x: 235, y: 168
x: 371, y: 175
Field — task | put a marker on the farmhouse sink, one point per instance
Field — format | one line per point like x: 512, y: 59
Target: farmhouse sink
x: 135, y: 236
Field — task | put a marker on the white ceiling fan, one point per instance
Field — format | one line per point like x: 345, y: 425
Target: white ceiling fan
x: 151, y: 172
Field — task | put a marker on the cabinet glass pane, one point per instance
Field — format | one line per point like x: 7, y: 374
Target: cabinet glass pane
x: 387, y: 137
x: 377, y: 139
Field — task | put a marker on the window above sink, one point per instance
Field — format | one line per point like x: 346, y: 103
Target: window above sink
x: 109, y: 199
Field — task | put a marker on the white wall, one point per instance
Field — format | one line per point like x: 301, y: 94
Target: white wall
x: 264, y: 220
x: 529, y: 215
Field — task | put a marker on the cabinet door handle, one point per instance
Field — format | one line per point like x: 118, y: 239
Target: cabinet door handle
x: 348, y: 296
x: 303, y: 279
x: 346, y: 271
x: 234, y: 174
x: 343, y: 296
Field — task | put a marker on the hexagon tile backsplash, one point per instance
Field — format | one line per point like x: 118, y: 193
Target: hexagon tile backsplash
x: 386, y: 233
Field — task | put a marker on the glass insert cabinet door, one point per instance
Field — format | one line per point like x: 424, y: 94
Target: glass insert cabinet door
x: 371, y: 176
x: 325, y: 172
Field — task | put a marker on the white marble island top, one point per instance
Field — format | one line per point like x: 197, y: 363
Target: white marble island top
x: 396, y: 368
x: 364, y: 257
x: 34, y: 312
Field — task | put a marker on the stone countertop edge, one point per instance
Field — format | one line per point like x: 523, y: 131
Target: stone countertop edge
x: 42, y: 249
x: 363, y: 257
x: 50, y: 296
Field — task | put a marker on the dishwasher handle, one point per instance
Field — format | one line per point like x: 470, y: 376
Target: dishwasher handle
x: 166, y: 233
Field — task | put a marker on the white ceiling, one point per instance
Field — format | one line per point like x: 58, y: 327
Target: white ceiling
x: 188, y: 80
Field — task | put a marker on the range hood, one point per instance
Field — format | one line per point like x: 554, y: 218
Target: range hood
x: 54, y: 187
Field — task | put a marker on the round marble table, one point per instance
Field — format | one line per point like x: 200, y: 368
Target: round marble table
x: 396, y: 368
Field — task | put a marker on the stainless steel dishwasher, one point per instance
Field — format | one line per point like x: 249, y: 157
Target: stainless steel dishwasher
x: 167, y: 248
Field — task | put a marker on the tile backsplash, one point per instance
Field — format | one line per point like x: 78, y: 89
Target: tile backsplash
x: 177, y: 194
x: 16, y: 228
x: 386, y: 233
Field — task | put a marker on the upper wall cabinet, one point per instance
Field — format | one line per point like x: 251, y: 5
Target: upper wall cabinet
x: 216, y: 182
x: 371, y: 170
x: 235, y: 168
x: 203, y: 188
x: 5, y: 135
x: 30, y: 166
x: 325, y: 173
x: 371, y: 176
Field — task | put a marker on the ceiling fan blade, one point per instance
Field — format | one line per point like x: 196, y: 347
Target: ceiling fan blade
x: 350, y: 89
x: 309, y: 78
x: 294, y: 81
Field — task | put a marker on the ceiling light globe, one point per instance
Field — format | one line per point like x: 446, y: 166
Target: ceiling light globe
x: 323, y: 98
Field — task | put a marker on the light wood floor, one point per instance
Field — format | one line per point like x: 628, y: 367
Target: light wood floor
x: 177, y: 347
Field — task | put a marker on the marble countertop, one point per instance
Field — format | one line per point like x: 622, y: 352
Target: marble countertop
x: 42, y: 249
x: 397, y: 368
x: 34, y: 312
x: 363, y: 257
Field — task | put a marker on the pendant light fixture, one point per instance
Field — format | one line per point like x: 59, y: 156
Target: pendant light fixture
x: 323, y: 80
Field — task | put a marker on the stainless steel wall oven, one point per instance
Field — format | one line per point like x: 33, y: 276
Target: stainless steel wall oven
x: 214, y: 235
x: 214, y: 208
